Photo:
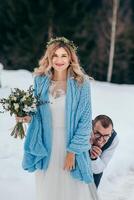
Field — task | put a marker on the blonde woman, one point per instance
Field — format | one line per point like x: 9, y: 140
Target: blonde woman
x: 57, y: 142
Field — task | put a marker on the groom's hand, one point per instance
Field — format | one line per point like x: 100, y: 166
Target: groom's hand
x: 95, y: 152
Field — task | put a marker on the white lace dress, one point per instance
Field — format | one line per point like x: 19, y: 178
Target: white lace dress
x: 57, y: 183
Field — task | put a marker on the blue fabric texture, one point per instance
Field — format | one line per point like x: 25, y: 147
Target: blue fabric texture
x: 38, y: 142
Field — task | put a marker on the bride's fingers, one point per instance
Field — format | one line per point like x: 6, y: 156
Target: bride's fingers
x: 18, y: 119
x: 27, y: 119
x: 66, y: 166
x: 69, y: 167
x: 21, y: 119
x: 72, y: 167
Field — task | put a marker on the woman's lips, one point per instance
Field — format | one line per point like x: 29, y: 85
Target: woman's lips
x: 59, y: 65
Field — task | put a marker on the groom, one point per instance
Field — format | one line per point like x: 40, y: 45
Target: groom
x: 104, y: 141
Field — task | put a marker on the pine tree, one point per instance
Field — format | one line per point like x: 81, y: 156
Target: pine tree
x: 24, y: 30
x: 26, y: 26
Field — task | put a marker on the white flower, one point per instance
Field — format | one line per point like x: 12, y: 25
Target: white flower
x: 33, y: 109
x: 23, y: 98
x: 27, y: 94
x: 6, y: 106
x: 14, y: 98
x: 16, y: 106
x: 27, y: 109
x: 26, y: 106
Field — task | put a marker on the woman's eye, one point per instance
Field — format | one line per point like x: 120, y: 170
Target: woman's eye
x: 62, y: 56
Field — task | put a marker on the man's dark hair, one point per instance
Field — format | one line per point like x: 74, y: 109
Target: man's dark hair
x: 104, y: 119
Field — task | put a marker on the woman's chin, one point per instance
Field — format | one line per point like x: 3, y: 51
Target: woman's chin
x: 60, y: 69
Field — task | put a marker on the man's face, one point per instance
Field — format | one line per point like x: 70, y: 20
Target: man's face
x: 100, y: 134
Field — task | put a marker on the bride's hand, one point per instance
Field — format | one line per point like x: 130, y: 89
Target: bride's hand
x: 25, y: 119
x: 69, y: 161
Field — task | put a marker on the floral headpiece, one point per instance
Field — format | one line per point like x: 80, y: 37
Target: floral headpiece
x: 63, y: 40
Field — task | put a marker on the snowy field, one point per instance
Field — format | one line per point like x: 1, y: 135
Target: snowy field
x: 113, y: 100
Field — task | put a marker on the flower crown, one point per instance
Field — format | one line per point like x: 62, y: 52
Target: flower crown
x: 63, y: 40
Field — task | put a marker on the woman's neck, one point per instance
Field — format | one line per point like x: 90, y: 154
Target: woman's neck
x: 59, y: 76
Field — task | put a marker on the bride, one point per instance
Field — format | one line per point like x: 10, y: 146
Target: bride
x: 57, y: 142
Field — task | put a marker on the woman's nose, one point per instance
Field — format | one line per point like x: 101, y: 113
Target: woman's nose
x: 58, y: 59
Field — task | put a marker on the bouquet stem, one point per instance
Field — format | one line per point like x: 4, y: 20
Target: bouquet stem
x: 18, y: 131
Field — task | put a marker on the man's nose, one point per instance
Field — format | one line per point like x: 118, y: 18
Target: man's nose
x: 100, y: 140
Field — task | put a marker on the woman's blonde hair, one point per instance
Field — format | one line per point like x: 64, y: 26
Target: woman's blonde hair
x: 45, y: 63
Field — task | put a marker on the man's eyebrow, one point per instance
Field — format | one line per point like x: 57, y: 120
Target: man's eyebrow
x: 101, y: 133
x: 107, y: 134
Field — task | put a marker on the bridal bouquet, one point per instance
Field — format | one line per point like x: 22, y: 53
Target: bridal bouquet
x: 21, y: 103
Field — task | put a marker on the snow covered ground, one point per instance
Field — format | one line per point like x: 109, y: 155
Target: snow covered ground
x: 113, y: 100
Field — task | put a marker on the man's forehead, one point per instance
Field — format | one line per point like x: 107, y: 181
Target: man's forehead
x: 98, y: 127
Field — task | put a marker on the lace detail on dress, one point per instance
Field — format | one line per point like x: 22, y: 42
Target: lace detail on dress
x: 57, y: 88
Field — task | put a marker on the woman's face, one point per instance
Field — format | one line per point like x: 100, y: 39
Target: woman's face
x: 60, y: 60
